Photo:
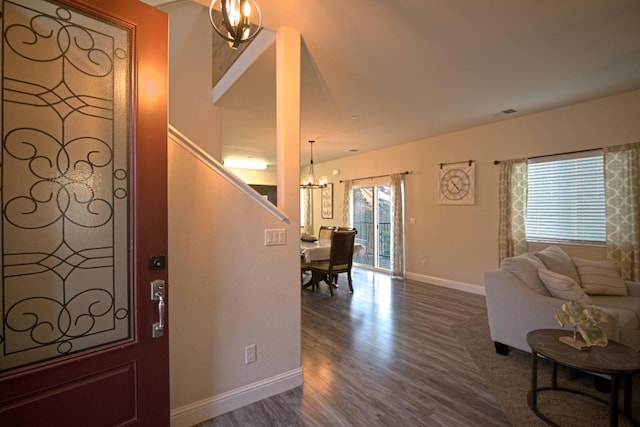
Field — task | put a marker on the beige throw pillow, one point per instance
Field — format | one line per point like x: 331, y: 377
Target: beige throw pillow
x: 600, y: 277
x: 525, y: 267
x: 563, y: 287
x: 555, y: 259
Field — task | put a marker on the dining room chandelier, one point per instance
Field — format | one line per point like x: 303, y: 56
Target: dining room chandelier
x: 311, y: 181
x: 235, y: 26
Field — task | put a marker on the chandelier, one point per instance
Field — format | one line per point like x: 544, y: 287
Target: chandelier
x: 311, y: 181
x: 235, y: 26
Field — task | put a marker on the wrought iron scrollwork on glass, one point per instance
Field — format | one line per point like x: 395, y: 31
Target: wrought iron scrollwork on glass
x: 65, y: 182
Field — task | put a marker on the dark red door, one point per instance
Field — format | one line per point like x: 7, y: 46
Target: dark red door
x: 84, y: 214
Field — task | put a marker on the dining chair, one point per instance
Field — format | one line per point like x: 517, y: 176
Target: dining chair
x: 363, y: 242
x: 325, y: 232
x: 340, y: 261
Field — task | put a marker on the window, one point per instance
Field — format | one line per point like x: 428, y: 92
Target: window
x: 566, y: 199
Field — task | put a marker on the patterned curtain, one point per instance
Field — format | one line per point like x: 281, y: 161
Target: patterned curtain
x: 622, y: 195
x: 307, y: 211
x: 512, y: 194
x: 346, y: 205
x: 397, y: 245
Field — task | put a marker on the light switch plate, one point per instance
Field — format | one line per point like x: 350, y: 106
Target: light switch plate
x: 275, y: 237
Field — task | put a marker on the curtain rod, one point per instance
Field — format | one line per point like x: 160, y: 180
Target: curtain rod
x: 497, y: 162
x: 455, y: 163
x: 377, y: 176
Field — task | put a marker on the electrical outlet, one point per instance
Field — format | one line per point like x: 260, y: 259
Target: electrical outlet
x: 423, y: 264
x: 250, y: 354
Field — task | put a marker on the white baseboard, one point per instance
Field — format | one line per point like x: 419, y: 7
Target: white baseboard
x: 203, y: 410
x: 446, y: 283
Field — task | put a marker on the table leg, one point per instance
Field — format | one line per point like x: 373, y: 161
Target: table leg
x: 627, y: 395
x: 554, y: 375
x: 534, y: 380
x: 613, y: 407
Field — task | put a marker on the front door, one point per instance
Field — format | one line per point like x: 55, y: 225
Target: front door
x: 83, y: 231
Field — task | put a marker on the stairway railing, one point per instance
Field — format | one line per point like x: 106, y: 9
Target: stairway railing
x: 215, y: 165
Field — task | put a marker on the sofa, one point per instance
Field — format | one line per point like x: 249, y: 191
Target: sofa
x: 528, y: 289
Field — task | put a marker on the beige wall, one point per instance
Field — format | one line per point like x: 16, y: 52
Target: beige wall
x: 227, y: 290
x: 267, y: 177
x: 191, y: 108
x: 459, y: 243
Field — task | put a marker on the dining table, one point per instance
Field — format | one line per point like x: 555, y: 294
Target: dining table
x: 320, y: 250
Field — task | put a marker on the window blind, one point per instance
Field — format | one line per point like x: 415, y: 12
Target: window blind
x: 566, y: 200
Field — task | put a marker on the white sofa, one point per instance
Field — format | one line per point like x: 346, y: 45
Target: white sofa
x: 519, y: 301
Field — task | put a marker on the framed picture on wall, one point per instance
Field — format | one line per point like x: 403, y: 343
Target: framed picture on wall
x: 327, y: 202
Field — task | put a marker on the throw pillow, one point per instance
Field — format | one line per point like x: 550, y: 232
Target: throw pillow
x: 600, y: 277
x: 563, y: 287
x: 525, y: 267
x: 555, y: 259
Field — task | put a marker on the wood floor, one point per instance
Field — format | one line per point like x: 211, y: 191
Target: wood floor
x: 383, y: 356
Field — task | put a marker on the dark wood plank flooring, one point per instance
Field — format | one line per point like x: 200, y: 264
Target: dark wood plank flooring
x: 383, y: 356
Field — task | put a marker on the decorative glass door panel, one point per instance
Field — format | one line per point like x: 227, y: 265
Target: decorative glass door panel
x: 65, y: 183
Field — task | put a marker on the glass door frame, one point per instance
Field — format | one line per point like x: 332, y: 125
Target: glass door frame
x: 372, y: 239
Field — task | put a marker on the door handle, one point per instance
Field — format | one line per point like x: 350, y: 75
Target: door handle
x: 158, y: 294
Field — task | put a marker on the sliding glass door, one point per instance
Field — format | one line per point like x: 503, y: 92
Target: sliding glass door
x: 372, y: 219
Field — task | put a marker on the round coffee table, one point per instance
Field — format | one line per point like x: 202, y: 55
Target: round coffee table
x: 616, y: 360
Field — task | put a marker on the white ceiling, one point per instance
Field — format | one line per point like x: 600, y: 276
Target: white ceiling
x: 412, y: 69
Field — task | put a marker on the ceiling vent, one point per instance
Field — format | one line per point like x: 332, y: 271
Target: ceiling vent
x: 505, y: 112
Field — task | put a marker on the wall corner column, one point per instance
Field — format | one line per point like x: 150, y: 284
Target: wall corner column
x: 288, y: 51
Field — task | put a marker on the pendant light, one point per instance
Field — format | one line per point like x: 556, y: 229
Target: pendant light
x: 235, y: 26
x: 311, y: 182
